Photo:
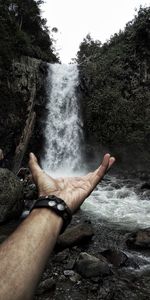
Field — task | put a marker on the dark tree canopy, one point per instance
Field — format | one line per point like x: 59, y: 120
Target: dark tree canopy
x: 115, y: 82
x: 23, y: 31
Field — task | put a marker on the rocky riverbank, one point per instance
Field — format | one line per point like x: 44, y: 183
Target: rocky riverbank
x: 91, y: 260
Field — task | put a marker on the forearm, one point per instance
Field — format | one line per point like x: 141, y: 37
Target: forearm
x: 24, y: 254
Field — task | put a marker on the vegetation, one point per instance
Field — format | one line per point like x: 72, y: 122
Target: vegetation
x: 23, y: 31
x: 115, y: 84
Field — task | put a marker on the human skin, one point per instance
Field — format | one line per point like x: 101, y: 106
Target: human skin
x: 24, y: 254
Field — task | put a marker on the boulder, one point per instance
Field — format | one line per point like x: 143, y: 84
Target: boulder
x: 116, y: 257
x: 11, y: 196
x: 90, y: 266
x: 46, y: 286
x: 75, y: 235
x: 139, y: 239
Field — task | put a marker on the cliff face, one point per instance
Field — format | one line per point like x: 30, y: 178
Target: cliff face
x: 22, y: 99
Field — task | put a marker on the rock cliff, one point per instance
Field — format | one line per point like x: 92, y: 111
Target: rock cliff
x: 23, y: 98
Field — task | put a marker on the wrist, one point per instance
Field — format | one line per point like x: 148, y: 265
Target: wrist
x: 57, y: 206
x: 49, y: 217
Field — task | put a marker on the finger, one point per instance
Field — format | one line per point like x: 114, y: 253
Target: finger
x: 111, y: 162
x: 103, y: 165
x: 100, y: 172
x: 34, y: 167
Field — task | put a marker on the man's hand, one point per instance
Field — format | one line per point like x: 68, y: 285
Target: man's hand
x: 25, y: 252
x: 73, y: 190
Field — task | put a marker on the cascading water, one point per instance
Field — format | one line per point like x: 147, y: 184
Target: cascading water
x: 63, y: 126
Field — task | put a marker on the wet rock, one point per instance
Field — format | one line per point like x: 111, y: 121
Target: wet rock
x: 62, y: 277
x: 62, y: 256
x: 73, y: 276
x: 30, y: 192
x: 75, y: 235
x: 45, y: 286
x: 90, y: 266
x: 70, y: 264
x: 69, y: 273
x: 146, y: 186
x: 11, y: 196
x: 139, y: 239
x: 116, y: 257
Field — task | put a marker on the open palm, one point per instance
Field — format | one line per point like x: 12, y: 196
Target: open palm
x: 73, y: 190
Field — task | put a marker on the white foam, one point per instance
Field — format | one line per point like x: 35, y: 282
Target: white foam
x: 119, y: 206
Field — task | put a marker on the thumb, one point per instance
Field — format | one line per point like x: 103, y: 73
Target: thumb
x: 34, y: 167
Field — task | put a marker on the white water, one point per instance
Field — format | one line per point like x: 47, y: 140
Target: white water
x: 63, y: 126
x: 119, y: 206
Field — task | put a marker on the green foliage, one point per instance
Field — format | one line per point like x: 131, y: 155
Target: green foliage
x: 115, y: 82
x: 23, y: 31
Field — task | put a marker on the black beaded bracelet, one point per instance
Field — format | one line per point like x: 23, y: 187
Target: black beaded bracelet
x: 58, y: 206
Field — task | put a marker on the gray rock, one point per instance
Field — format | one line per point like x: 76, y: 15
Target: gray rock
x: 45, y: 286
x: 70, y: 264
x: 30, y: 192
x: 75, y: 235
x: 90, y: 266
x: 115, y: 257
x: 61, y: 257
x: 11, y: 196
x: 73, y: 276
x: 139, y: 239
x: 69, y: 273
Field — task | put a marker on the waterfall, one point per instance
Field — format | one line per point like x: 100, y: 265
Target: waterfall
x: 63, y: 130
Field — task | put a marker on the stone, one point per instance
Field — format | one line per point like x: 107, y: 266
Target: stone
x: 11, y: 196
x: 72, y: 275
x: 145, y: 186
x: 76, y: 278
x: 61, y: 256
x: 70, y: 264
x: 139, y: 239
x: 69, y: 273
x: 78, y: 234
x: 30, y: 192
x: 116, y: 257
x: 45, y: 286
x: 62, y: 277
x: 90, y: 266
